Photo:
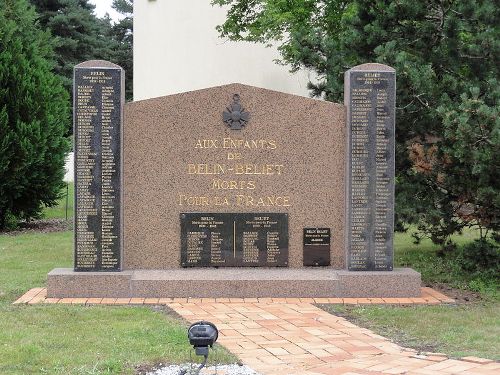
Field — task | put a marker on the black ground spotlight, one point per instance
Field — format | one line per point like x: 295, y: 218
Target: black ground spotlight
x: 202, y: 335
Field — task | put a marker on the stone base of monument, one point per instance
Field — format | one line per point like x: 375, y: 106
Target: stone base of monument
x: 234, y: 283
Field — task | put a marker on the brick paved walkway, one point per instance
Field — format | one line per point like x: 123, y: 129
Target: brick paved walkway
x: 288, y: 336
x: 301, y: 339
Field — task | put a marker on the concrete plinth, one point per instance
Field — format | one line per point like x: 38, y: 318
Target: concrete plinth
x: 233, y: 283
x: 66, y: 283
x: 400, y: 283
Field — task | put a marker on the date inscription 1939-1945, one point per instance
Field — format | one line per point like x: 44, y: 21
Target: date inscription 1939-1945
x: 235, y: 115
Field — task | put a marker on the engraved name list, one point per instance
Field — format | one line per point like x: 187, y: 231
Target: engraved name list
x: 97, y: 130
x: 371, y: 101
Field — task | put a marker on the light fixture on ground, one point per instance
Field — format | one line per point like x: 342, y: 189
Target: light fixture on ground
x: 202, y: 335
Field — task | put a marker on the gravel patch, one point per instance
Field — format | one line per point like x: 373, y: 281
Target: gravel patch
x: 234, y: 369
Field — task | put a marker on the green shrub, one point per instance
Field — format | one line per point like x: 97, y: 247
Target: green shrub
x: 34, y: 114
x: 480, y: 258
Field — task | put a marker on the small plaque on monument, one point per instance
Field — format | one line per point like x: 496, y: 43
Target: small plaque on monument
x: 370, y: 101
x: 234, y: 239
x: 316, y: 246
x: 98, y: 101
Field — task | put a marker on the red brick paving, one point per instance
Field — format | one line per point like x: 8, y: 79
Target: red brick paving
x: 291, y: 336
x: 429, y: 296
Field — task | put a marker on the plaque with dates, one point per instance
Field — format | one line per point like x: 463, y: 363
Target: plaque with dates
x: 317, y: 246
x: 234, y: 240
x: 98, y: 90
x: 370, y: 98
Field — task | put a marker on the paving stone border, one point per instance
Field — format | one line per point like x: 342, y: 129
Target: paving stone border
x: 429, y: 296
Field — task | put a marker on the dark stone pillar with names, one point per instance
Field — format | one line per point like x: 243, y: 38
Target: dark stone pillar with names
x: 370, y: 93
x: 97, y: 127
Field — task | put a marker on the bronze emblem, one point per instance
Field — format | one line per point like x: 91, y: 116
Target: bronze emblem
x: 235, y: 115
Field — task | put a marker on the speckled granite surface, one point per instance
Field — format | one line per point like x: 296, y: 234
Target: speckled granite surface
x: 233, y: 282
x: 160, y: 139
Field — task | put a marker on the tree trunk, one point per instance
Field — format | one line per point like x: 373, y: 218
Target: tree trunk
x: 3, y: 215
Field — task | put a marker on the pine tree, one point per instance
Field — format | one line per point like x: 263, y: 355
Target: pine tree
x: 33, y: 116
x: 79, y: 35
x: 446, y: 57
x: 122, y: 33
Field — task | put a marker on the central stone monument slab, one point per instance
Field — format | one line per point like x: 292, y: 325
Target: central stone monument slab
x: 282, y: 154
x: 234, y: 191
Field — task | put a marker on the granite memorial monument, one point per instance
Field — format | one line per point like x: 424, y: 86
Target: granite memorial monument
x: 234, y: 191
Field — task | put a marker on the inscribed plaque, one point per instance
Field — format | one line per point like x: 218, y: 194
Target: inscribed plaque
x: 98, y: 90
x: 234, y: 239
x: 370, y: 101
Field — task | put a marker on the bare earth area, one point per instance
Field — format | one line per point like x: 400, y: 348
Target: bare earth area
x: 41, y: 226
x: 459, y: 295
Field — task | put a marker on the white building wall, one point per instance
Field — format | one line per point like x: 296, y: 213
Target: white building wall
x: 177, y: 49
x: 69, y: 167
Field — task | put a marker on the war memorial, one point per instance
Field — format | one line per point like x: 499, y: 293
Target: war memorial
x: 233, y: 191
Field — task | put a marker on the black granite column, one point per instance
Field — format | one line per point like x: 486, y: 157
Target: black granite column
x: 97, y: 126
x: 369, y: 95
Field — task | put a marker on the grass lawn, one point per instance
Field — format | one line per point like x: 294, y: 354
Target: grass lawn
x: 470, y: 329
x: 63, y: 339
x: 59, y: 211
x: 436, y: 269
x: 459, y: 331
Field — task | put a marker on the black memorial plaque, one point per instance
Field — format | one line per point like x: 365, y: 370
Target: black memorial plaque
x: 98, y: 100
x: 317, y: 246
x: 234, y: 240
x: 370, y: 98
